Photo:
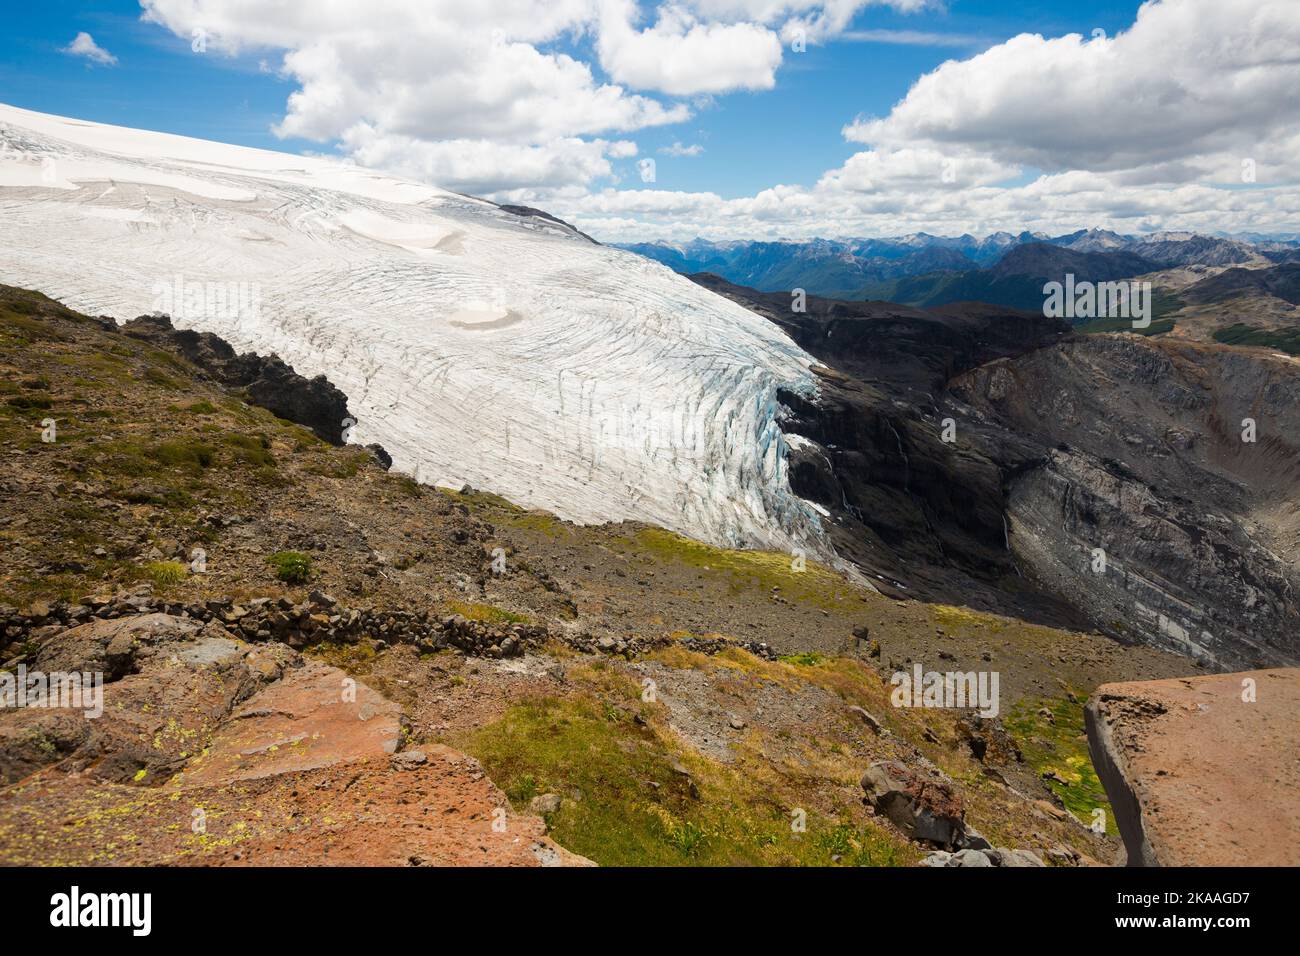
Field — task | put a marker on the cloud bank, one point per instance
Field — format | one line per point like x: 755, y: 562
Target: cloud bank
x: 1187, y: 119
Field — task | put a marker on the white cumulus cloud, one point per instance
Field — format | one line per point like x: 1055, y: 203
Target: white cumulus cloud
x: 677, y: 149
x: 540, y: 101
x: 1191, y: 88
x: 83, y: 44
x: 470, y: 94
x: 681, y: 55
x: 538, y: 92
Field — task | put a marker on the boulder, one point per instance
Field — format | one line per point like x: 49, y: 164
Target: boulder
x: 969, y: 858
x: 972, y: 839
x: 925, y: 807
x: 1004, y: 857
x: 111, y: 647
x: 546, y: 803
x: 987, y: 857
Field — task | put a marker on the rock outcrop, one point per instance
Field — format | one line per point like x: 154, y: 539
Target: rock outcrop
x: 1153, y: 509
x: 267, y: 380
x: 1202, y: 771
x: 214, y: 751
x: 320, y: 619
x: 987, y: 857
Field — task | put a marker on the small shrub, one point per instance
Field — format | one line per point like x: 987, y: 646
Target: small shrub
x: 252, y: 449
x: 164, y: 573
x: 176, y: 453
x: 291, y: 567
x: 29, y: 401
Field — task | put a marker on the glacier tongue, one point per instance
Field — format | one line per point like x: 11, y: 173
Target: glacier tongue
x: 475, y: 345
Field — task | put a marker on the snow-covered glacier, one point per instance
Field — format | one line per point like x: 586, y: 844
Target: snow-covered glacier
x: 476, y: 345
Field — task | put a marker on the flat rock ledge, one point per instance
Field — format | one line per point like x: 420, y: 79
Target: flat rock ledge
x: 1202, y: 771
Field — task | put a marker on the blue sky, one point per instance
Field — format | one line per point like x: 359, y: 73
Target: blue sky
x: 979, y: 128
x: 158, y: 83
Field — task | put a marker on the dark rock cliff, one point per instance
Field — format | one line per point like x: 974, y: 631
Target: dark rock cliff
x: 267, y: 380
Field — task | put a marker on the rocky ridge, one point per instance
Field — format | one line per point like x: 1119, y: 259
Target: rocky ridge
x: 321, y: 619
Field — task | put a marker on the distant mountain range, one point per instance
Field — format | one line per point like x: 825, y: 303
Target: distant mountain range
x: 926, y: 271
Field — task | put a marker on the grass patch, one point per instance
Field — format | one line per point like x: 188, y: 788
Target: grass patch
x: 347, y: 463
x: 950, y: 617
x: 626, y: 803
x: 806, y: 659
x: 252, y: 450
x: 163, y: 573
x: 1059, y: 745
x: 354, y: 658
x: 815, y: 585
x: 182, y: 454
x: 30, y: 401
x: 25, y: 328
x: 156, y: 376
x: 487, y: 613
x: 409, y: 486
x: 1157, y: 326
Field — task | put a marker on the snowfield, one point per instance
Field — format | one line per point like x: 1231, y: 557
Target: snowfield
x: 477, y: 346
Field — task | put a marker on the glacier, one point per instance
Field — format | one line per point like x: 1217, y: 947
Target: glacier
x: 477, y: 346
